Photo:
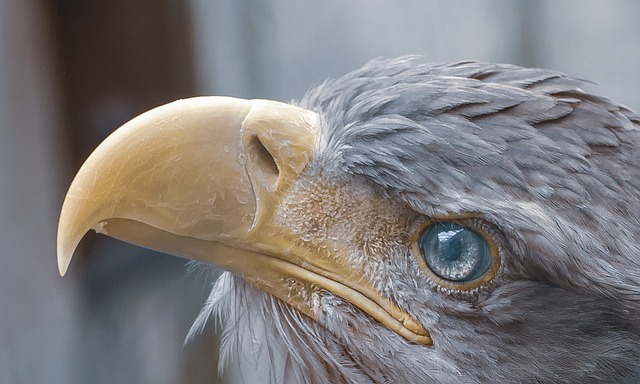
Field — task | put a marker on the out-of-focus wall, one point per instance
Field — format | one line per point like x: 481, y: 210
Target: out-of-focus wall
x: 279, y: 48
x: 37, y: 314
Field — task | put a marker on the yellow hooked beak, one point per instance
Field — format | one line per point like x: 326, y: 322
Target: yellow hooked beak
x: 201, y: 178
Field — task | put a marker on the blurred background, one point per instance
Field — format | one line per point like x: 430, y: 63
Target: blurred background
x: 71, y: 71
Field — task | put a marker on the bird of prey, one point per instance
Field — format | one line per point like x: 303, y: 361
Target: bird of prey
x: 408, y: 222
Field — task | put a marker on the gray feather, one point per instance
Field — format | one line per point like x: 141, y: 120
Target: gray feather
x: 550, y: 168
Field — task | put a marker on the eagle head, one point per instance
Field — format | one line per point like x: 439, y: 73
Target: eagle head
x: 408, y: 222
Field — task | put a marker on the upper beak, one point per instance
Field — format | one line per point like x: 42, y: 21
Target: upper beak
x: 201, y: 178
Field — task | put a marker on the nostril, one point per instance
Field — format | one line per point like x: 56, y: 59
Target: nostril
x: 262, y: 161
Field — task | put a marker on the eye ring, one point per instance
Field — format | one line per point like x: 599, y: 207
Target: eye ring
x: 462, y: 254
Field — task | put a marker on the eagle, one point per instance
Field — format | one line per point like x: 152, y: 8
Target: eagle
x: 408, y: 222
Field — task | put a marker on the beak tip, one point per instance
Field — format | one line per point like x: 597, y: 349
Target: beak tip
x: 63, y: 261
x: 65, y: 250
x: 61, y: 270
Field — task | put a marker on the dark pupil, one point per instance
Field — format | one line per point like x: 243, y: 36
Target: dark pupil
x: 451, y: 247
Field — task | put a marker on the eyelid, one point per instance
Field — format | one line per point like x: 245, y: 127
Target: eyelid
x: 486, y: 231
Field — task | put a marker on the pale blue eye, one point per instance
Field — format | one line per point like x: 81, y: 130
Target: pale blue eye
x: 454, y: 252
